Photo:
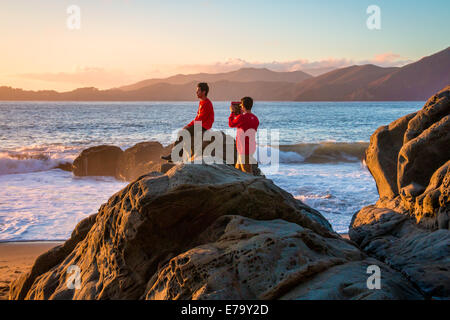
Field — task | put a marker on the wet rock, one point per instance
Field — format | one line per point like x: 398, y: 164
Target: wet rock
x: 97, y: 161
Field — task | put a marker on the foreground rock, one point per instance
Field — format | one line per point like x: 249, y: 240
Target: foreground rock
x: 207, y: 232
x: 249, y: 259
x: 409, y: 226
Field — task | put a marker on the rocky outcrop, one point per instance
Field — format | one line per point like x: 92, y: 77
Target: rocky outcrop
x: 140, y: 159
x: 97, y: 161
x: 409, y: 226
x: 382, y: 155
x: 420, y: 157
x: 145, y: 157
x: 207, y: 232
x: 408, y: 160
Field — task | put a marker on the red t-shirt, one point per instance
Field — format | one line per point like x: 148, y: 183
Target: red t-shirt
x: 205, y: 114
x: 245, y: 140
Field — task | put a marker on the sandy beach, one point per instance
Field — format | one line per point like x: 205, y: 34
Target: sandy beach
x: 17, y: 258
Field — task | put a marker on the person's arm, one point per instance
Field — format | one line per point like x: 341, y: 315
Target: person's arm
x: 234, y: 120
x: 203, y: 114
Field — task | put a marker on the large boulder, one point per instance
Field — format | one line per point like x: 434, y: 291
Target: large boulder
x: 409, y: 226
x: 140, y: 159
x: 97, y: 161
x: 227, y: 227
x: 405, y: 156
x: 436, y: 108
x: 382, y: 155
x: 421, y: 156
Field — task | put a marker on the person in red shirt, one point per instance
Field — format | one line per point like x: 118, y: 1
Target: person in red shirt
x: 205, y: 116
x: 247, y: 125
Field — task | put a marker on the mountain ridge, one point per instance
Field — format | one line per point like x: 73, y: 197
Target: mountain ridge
x: 414, y: 82
x: 240, y: 75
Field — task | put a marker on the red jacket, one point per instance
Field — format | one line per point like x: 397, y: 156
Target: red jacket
x: 205, y: 114
x: 245, y: 141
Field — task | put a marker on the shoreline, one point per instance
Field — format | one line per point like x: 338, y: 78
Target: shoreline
x: 17, y: 258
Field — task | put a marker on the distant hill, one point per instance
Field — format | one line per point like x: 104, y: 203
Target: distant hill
x: 341, y: 84
x: 241, y: 75
x: 220, y: 91
x: 415, y: 81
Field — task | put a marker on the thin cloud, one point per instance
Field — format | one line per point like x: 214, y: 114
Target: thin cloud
x: 384, y: 60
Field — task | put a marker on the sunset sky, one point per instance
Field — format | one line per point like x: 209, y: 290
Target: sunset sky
x: 124, y: 41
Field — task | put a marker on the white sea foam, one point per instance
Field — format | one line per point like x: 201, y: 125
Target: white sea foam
x: 337, y: 190
x: 35, y: 158
x: 48, y: 205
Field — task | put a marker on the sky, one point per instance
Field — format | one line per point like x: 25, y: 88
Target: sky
x: 120, y: 42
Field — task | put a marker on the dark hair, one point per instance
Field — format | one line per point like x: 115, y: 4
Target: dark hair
x: 204, y: 87
x: 247, y: 102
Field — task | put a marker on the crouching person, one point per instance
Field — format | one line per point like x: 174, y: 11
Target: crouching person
x: 247, y: 125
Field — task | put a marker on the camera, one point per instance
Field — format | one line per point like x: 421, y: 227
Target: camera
x: 236, y: 107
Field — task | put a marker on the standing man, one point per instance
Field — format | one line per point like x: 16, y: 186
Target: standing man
x: 247, y: 125
x: 205, y: 117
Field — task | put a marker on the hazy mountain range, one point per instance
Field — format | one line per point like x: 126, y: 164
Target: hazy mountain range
x: 415, y: 81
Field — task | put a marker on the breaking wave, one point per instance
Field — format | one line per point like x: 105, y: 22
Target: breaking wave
x: 324, y: 152
x: 35, y: 159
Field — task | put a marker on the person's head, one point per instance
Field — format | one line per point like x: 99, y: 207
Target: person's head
x: 202, y: 90
x: 247, y: 104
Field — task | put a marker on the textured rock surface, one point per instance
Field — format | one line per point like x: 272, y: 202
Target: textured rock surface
x: 382, y: 155
x: 408, y: 228
x: 159, y: 236
x: 420, y: 157
x: 97, y: 161
x: 249, y: 259
x: 434, y: 202
x: 421, y: 255
x: 140, y: 159
x: 408, y: 160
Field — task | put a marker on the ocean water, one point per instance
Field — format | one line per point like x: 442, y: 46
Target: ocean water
x: 321, y: 146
